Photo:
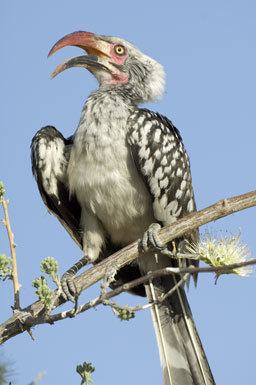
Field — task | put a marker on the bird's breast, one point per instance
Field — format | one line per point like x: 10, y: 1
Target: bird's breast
x: 105, y: 180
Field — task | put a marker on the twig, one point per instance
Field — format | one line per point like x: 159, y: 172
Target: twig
x: 173, y: 289
x: 175, y: 270
x: 16, y: 284
x: 38, y: 378
x: 115, y: 305
x: 128, y: 286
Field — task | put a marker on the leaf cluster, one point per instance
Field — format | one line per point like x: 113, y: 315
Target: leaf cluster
x: 5, y: 267
x: 50, y: 267
x: 85, y: 370
x: 2, y: 191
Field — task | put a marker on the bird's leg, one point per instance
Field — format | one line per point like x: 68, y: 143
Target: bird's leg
x: 93, y: 239
x: 150, y: 239
x: 69, y: 290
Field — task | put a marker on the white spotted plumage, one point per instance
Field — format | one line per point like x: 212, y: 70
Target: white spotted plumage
x: 162, y: 161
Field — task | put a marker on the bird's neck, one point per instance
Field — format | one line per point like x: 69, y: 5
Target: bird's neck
x: 104, y: 117
x: 108, y: 103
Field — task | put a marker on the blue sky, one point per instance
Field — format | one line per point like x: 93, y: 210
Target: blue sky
x: 208, y: 51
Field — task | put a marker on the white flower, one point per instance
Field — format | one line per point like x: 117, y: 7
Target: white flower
x: 224, y: 251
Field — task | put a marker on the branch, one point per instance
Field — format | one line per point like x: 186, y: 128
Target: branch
x: 34, y: 314
x: 166, y: 234
x: 16, y: 284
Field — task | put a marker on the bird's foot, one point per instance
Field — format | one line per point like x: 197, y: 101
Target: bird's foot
x: 150, y: 239
x: 69, y: 289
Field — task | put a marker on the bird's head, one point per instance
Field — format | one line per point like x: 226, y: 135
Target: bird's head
x: 115, y: 63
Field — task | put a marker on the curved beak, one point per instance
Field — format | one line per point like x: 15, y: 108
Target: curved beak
x: 90, y: 62
x: 98, y: 52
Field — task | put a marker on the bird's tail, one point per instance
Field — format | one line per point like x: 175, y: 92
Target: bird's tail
x: 181, y: 353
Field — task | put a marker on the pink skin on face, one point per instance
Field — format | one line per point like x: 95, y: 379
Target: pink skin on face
x: 119, y: 59
x: 118, y: 77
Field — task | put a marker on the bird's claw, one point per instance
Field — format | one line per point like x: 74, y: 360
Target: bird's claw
x: 150, y: 239
x: 69, y: 290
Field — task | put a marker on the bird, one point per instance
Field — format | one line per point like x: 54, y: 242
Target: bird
x: 120, y: 177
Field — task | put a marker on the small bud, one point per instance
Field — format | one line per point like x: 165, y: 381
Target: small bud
x: 43, y: 292
x: 50, y: 266
x: 124, y: 314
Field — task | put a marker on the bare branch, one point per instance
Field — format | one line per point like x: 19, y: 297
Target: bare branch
x: 35, y: 314
x: 16, y: 284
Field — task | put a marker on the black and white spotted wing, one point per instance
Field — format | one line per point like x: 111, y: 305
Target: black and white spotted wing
x: 161, y: 158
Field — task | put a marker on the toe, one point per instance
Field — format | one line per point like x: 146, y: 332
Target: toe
x: 69, y: 291
x: 144, y: 241
x: 151, y: 239
x: 153, y: 236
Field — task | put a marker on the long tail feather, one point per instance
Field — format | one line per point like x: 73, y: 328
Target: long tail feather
x: 181, y: 353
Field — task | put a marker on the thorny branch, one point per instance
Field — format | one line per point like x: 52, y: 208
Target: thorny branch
x: 35, y: 314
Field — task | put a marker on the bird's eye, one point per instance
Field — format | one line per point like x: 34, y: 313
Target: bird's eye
x: 119, y: 50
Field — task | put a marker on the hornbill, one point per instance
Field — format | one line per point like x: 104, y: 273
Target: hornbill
x: 122, y: 175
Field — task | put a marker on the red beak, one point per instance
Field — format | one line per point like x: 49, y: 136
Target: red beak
x: 88, y: 41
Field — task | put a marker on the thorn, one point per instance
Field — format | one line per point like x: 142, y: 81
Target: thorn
x: 31, y: 334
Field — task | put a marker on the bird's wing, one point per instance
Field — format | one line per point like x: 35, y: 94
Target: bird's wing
x: 161, y: 159
x: 50, y: 155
